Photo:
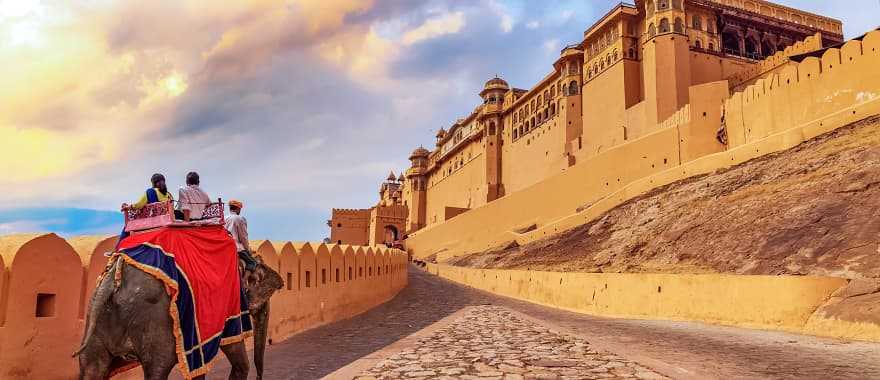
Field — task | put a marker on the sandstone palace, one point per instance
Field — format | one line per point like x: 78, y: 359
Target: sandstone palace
x: 651, y: 87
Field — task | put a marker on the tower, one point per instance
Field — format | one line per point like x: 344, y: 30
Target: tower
x: 416, y: 179
x: 490, y: 118
x: 570, y: 105
x: 666, y: 58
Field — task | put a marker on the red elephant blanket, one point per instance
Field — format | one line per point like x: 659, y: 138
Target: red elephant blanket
x: 199, y: 266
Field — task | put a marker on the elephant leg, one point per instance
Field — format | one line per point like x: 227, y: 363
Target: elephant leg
x: 158, y: 370
x: 261, y: 327
x: 94, y: 363
x: 237, y: 356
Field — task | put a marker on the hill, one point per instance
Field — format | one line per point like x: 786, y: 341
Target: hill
x: 810, y: 210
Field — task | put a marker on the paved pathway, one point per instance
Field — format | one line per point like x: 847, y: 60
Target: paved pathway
x: 674, y: 349
x: 491, y: 342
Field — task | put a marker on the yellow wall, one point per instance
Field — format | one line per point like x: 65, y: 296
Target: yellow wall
x: 465, y: 187
x: 534, y: 156
x: 769, y: 302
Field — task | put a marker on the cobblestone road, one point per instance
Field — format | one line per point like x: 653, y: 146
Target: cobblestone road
x: 490, y: 342
x: 675, y: 349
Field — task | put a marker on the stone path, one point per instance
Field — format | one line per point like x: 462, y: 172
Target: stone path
x: 490, y: 342
x: 675, y: 349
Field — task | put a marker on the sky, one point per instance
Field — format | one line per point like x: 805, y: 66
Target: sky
x: 293, y: 107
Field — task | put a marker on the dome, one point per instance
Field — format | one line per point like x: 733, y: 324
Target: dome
x: 496, y: 83
x: 441, y: 133
x: 419, y: 152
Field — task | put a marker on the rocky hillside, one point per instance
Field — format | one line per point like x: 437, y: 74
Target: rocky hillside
x: 814, y: 209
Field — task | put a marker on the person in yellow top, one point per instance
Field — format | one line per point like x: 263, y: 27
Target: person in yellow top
x: 157, y: 193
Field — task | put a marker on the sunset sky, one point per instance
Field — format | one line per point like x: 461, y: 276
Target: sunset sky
x: 294, y: 107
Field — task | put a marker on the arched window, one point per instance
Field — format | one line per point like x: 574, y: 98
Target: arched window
x: 664, y: 25
x: 698, y: 44
x: 552, y: 108
x: 527, y: 108
x: 608, y: 59
x: 540, y: 99
x: 532, y: 122
x: 514, y: 117
x: 553, y: 91
x: 615, y: 55
x: 697, y: 23
x: 590, y: 73
x: 546, y: 95
x: 573, y: 87
x: 711, y: 47
x: 679, y: 25
x: 651, y: 30
x: 565, y: 90
x: 515, y: 133
x: 534, y: 107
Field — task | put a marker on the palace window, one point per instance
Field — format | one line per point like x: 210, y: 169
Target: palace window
x: 565, y: 89
x: 698, y: 23
x: 679, y: 25
x: 515, y: 134
x: 540, y: 99
x: 553, y: 91
x: 664, y: 25
x: 652, y: 30
x: 711, y: 46
x: 615, y: 55
x: 572, y: 88
x: 698, y: 44
x: 553, y: 109
x: 662, y: 4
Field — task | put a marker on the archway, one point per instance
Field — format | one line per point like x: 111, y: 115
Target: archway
x: 768, y: 48
x: 753, y: 49
x: 390, y: 234
x: 730, y: 42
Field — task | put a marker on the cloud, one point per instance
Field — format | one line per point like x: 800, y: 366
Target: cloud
x: 450, y: 23
x: 295, y: 106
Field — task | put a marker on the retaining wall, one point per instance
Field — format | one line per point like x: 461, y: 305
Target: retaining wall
x: 46, y: 284
x: 785, y: 303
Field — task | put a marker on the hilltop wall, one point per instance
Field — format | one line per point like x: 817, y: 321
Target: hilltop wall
x: 46, y: 284
x: 778, y: 112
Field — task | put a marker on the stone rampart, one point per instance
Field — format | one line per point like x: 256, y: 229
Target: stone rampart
x: 46, y: 284
x: 786, y: 303
x: 781, y: 111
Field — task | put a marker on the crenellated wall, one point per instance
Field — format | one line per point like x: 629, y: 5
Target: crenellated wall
x: 801, y: 101
x: 46, y: 283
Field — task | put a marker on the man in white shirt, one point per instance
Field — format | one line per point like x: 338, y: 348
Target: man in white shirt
x: 192, y: 200
x: 237, y: 227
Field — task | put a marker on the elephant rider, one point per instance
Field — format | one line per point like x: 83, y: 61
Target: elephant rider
x: 157, y: 193
x: 237, y: 227
x: 192, y: 199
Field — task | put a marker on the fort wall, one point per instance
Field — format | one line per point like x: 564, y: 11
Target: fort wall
x: 787, y: 303
x: 46, y: 284
x: 803, y: 101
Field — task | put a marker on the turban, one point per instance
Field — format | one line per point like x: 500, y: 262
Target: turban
x: 235, y: 203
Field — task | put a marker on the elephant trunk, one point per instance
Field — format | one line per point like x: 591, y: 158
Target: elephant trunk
x: 102, y: 294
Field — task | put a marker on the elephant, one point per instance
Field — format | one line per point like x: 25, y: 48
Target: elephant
x: 128, y: 320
